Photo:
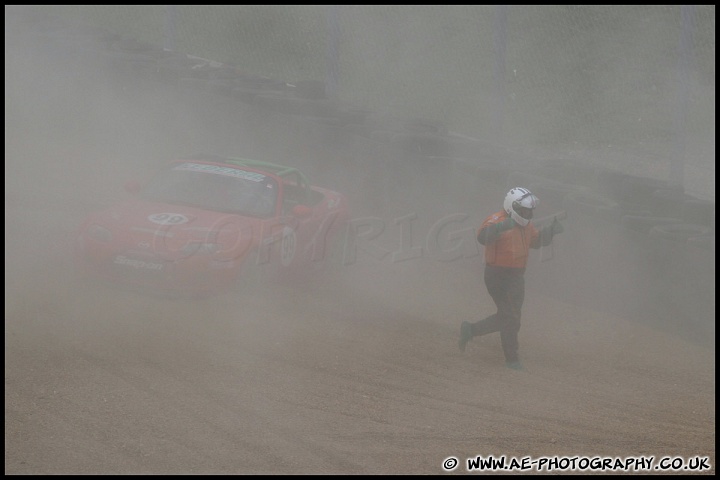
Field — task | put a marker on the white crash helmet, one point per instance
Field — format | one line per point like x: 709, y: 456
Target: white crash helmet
x: 519, y: 204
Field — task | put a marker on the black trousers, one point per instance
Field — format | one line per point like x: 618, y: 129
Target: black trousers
x: 506, y: 286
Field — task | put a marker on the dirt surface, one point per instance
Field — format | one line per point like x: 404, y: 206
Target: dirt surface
x: 354, y: 373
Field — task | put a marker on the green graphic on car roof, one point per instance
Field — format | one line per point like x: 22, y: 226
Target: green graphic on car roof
x: 232, y: 172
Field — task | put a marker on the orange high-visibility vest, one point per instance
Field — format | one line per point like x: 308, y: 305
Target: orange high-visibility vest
x: 512, y: 247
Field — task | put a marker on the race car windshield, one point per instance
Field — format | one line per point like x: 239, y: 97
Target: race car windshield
x: 217, y: 188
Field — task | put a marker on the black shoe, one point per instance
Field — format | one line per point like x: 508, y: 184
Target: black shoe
x: 516, y: 365
x: 465, y: 335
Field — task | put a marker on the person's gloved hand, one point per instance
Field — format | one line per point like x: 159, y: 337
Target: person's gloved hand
x: 557, y: 227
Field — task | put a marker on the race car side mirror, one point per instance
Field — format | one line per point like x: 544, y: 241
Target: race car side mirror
x: 132, y: 186
x: 301, y: 211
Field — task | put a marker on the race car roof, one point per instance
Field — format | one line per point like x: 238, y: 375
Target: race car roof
x: 277, y: 169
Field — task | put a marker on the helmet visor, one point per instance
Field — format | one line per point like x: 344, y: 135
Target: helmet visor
x: 524, y: 212
x: 525, y: 205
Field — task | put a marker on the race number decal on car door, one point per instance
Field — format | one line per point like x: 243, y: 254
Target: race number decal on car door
x: 287, y: 246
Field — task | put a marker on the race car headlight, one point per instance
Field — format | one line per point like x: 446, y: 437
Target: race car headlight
x: 99, y: 233
x: 202, y: 248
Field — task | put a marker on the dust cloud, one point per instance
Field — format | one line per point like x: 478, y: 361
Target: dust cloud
x: 323, y: 375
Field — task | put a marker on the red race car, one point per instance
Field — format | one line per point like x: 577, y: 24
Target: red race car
x: 200, y: 223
